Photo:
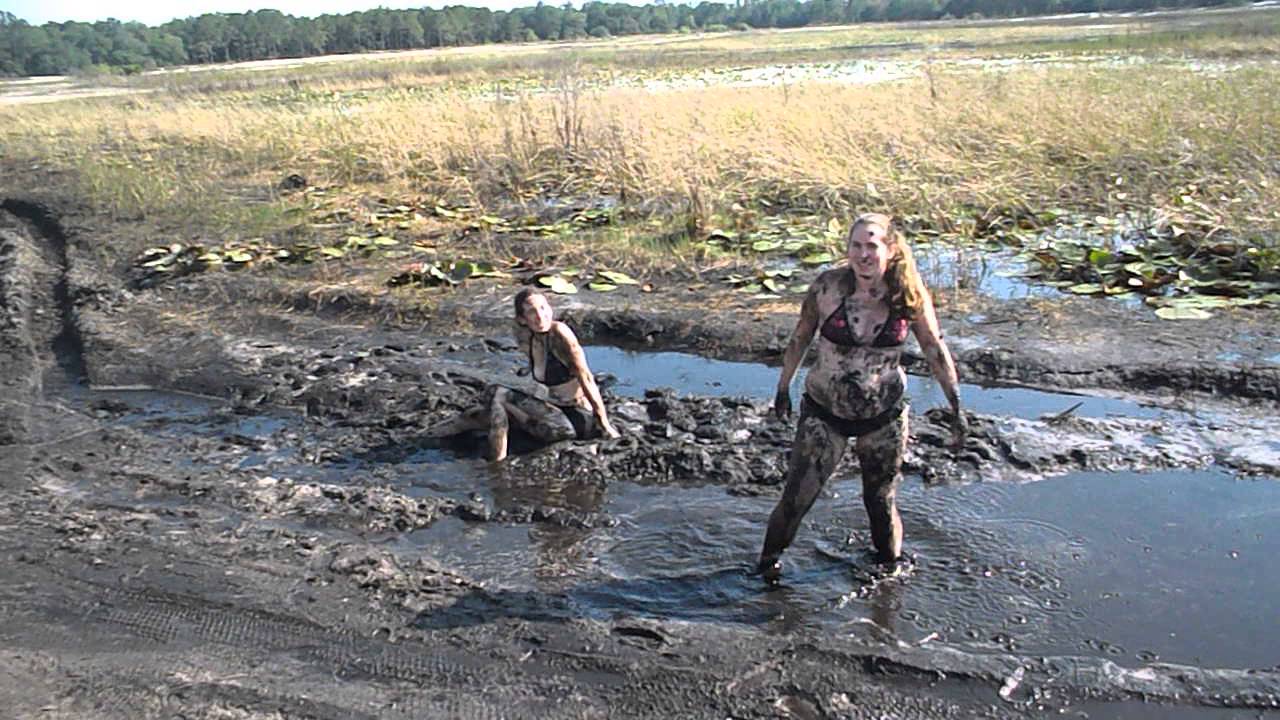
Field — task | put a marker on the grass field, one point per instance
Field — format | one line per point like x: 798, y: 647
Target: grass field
x: 1162, y: 124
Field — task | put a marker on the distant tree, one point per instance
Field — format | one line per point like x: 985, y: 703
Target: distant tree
x: 166, y: 48
x: 573, y: 24
x: 406, y: 30
x: 208, y: 41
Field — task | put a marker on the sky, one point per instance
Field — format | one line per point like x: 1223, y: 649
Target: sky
x: 150, y: 12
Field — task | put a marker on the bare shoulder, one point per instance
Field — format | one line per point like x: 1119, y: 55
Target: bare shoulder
x: 834, y: 281
x: 565, y: 339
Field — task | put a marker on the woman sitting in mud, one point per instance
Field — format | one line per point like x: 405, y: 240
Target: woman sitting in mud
x: 857, y: 387
x: 570, y: 406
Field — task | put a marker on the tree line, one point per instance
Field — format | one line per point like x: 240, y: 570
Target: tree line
x: 113, y: 46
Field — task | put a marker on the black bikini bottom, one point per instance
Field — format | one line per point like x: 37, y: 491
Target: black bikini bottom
x: 852, y: 428
x: 584, y: 421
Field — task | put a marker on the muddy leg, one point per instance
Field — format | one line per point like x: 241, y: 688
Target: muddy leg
x: 814, y: 455
x: 880, y: 454
x: 540, y: 419
x: 498, y: 426
x: 476, y: 418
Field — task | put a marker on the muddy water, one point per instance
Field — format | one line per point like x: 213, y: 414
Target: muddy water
x: 1170, y: 566
x: 633, y: 372
x: 1167, y: 566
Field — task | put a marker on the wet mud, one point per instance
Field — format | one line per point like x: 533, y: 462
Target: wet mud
x: 220, y: 500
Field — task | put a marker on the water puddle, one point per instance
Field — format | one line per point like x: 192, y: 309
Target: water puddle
x: 636, y: 371
x: 1170, y: 566
x: 1163, y: 566
x: 998, y: 275
x: 860, y: 72
x: 867, y: 72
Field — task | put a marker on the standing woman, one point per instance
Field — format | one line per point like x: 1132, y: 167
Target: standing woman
x: 857, y: 387
x: 569, y: 406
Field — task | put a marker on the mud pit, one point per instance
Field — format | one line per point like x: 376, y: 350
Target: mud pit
x: 265, y: 532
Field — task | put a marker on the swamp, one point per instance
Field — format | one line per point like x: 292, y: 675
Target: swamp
x: 233, y: 297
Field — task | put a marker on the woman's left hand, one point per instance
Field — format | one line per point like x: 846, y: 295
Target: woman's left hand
x: 609, y: 430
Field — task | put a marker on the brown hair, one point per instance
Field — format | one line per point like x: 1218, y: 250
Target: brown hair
x: 906, y: 290
x: 522, y: 298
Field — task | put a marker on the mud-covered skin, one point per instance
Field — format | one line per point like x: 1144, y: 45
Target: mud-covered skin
x: 543, y: 410
x: 854, y: 382
x: 815, y: 455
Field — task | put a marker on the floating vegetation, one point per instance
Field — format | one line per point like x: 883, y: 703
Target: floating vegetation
x: 446, y: 273
x: 178, y: 259
x: 1183, y: 276
x: 767, y: 283
x: 562, y: 282
x: 472, y: 219
x: 812, y: 239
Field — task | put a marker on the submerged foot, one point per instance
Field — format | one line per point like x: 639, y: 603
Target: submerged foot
x: 770, y: 570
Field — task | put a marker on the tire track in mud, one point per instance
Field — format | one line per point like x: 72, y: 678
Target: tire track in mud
x: 63, y: 340
x: 19, y: 366
x: 445, y: 681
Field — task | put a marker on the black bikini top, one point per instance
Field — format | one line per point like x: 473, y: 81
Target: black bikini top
x: 837, y: 329
x: 555, y: 372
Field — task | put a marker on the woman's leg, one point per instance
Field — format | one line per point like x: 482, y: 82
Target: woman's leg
x: 473, y: 418
x: 814, y: 455
x: 880, y: 455
x: 498, y: 425
x: 538, y: 418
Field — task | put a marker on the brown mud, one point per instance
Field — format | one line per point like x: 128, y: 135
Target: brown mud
x: 249, y: 561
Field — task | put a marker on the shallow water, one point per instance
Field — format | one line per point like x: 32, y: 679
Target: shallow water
x: 997, y: 274
x: 1168, y: 566
x: 867, y: 72
x: 637, y: 371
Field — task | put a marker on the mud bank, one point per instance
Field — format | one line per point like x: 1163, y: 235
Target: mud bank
x: 255, y: 535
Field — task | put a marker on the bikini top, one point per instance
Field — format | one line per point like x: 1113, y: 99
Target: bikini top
x: 555, y: 371
x: 837, y: 329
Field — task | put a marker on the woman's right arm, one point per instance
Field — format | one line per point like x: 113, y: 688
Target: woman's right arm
x: 806, y: 327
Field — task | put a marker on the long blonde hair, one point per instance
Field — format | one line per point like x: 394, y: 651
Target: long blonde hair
x: 906, y: 290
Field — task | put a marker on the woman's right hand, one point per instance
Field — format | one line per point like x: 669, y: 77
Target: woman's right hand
x: 782, y: 404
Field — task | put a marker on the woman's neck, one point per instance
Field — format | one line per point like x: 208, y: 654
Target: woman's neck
x: 870, y: 286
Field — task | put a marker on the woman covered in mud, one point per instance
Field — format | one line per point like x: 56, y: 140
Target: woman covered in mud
x: 568, y: 404
x: 857, y: 387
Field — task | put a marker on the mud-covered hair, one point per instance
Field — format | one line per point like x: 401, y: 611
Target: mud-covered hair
x: 522, y: 298
x: 906, y: 289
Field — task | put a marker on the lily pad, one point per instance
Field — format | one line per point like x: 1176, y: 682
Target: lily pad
x: 618, y: 278
x: 820, y: 258
x: 1085, y: 289
x: 558, y: 284
x: 1182, y: 312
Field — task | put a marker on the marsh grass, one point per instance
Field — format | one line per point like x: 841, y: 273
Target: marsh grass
x: 960, y: 153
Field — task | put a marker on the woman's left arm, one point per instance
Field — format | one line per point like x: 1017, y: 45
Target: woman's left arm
x: 929, y: 334
x: 571, y: 349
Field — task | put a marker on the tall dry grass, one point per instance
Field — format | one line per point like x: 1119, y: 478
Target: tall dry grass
x: 956, y: 151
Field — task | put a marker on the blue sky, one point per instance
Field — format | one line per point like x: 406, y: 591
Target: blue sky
x: 38, y: 12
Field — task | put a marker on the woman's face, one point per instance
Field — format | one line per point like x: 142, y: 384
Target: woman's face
x: 537, y: 314
x: 869, y: 251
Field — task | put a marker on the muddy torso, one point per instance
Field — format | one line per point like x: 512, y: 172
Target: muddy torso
x: 863, y: 379
x: 557, y: 376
